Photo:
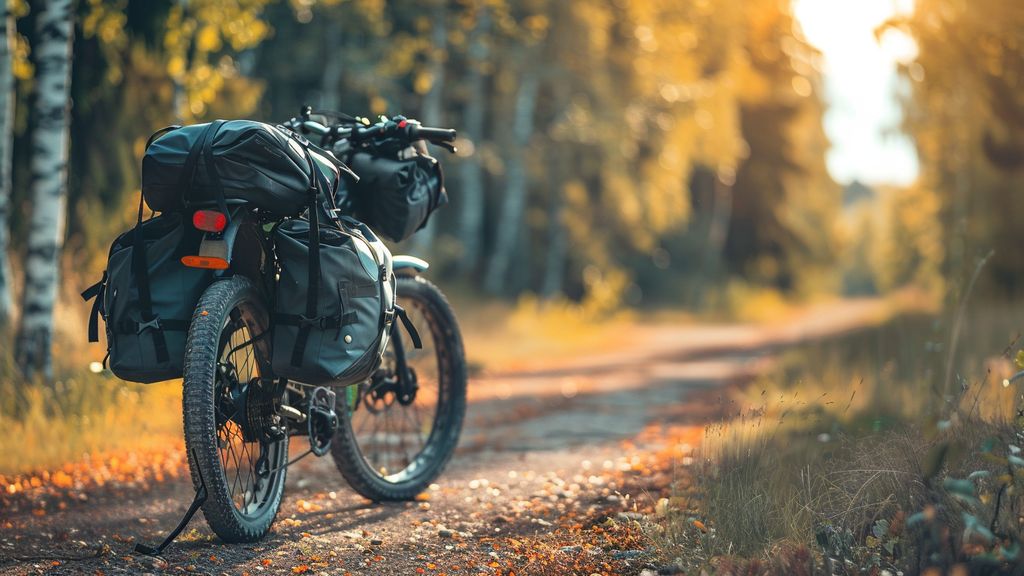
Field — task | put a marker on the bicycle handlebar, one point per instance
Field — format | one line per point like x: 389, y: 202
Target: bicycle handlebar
x: 398, y: 127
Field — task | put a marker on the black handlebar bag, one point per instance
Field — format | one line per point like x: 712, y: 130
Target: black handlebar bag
x: 334, y: 302
x: 147, y: 297
x: 396, y: 197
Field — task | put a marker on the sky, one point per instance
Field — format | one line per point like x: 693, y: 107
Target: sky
x: 863, y: 114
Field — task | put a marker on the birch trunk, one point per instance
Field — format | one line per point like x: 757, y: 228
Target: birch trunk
x: 433, y: 101
x: 513, y: 205
x: 49, y: 186
x: 7, y: 97
x: 471, y: 190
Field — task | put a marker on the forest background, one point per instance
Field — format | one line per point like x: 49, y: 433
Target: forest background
x: 641, y: 155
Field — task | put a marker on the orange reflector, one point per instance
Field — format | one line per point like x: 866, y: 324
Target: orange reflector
x: 205, y: 262
x: 209, y: 221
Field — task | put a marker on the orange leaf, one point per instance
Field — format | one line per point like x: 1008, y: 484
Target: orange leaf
x: 300, y: 569
x: 266, y: 562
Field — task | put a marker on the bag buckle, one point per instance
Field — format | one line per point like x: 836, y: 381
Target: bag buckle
x: 389, y: 317
x: 317, y: 321
x: 154, y: 323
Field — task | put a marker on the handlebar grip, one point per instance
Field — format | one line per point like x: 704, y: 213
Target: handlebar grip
x: 433, y: 134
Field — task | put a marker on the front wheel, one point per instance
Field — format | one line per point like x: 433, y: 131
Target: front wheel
x: 399, y: 429
x: 235, y: 443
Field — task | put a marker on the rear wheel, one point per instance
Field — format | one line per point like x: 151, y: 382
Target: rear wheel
x: 232, y: 433
x: 398, y: 432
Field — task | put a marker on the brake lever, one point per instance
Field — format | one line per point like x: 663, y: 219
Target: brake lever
x: 447, y: 146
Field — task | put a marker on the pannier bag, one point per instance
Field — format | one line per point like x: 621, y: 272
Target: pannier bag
x: 396, y: 197
x: 332, y: 313
x: 146, y: 298
x: 233, y: 160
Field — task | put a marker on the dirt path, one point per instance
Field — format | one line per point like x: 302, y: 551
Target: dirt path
x: 548, y: 452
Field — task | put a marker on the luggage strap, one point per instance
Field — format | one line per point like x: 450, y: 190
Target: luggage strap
x: 139, y: 265
x: 414, y: 335
x: 95, y: 291
x: 345, y: 317
x: 313, y: 289
x: 322, y: 322
x: 157, y: 324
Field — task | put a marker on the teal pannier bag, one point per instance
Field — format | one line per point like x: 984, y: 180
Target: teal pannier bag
x: 334, y: 302
x: 146, y: 299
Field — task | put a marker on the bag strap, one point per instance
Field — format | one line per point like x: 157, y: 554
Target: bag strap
x: 414, y: 335
x: 140, y: 268
x: 211, y: 167
x: 313, y: 288
x: 95, y: 291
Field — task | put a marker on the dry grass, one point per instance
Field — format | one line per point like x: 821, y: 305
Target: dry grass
x: 855, y: 451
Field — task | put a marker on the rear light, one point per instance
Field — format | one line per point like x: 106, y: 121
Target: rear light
x: 209, y: 221
x: 207, y: 262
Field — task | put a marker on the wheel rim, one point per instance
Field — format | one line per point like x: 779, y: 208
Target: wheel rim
x: 248, y: 460
x: 396, y: 437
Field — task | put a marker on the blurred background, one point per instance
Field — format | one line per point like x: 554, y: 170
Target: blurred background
x: 621, y: 164
x: 705, y: 160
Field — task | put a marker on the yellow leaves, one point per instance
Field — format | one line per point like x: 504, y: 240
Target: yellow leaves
x: 423, y: 82
x: 1018, y: 360
x: 537, y: 26
x: 208, y: 39
x: 176, y: 66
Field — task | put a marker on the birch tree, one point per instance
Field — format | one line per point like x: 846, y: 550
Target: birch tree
x: 49, y: 186
x: 7, y: 32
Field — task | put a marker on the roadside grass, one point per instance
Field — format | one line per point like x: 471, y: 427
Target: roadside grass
x: 81, y: 415
x: 854, y: 456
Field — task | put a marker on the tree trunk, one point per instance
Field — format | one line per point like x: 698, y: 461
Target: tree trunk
x: 433, y: 101
x: 49, y: 186
x: 471, y: 189
x: 510, y: 221
x: 7, y: 97
x: 718, y: 230
x: 557, y: 236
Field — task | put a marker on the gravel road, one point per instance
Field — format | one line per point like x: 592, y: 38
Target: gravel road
x: 549, y: 454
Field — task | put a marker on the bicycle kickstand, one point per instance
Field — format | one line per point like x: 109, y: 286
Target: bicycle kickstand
x: 198, y: 501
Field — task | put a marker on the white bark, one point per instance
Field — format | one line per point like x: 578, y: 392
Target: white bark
x: 7, y: 97
x: 433, y: 101
x: 471, y: 189
x: 49, y: 185
x: 510, y: 221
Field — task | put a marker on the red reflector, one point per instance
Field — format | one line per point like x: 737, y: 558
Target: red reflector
x: 209, y: 221
x: 205, y: 262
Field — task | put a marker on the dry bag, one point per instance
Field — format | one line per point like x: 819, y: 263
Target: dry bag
x: 396, y: 197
